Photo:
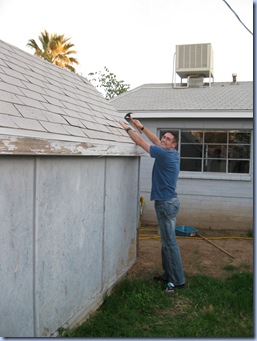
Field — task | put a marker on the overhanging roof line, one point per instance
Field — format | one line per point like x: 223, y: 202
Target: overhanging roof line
x: 193, y: 114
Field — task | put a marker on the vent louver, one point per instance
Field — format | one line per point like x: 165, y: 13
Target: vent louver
x: 194, y: 59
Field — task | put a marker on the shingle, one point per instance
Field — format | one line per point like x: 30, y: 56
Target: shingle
x: 9, y: 97
x: 33, y: 87
x: 54, y: 128
x: 42, y: 100
x: 16, y: 67
x: 36, y: 75
x: 11, y: 80
x: 40, y: 70
x: 100, y: 120
x: 74, y: 121
x: 31, y: 102
x: 13, y: 73
x: 52, y: 93
x: 83, y: 106
x: 95, y: 126
x: 3, y: 57
x: 34, y: 95
x: 26, y: 123
x: 55, y: 82
x: 30, y: 112
x: 94, y: 134
x: 10, y: 88
x: 86, y: 117
x: 70, y: 106
x: 53, y: 88
x: 114, y: 124
x: 72, y: 113
x: 74, y: 130
x: 103, y: 136
x: 53, y: 108
x: 159, y: 97
x: 3, y: 63
x: 69, y: 90
x: 54, y: 118
x: 8, y: 108
x: 34, y: 80
x: 17, y: 62
x: 86, y: 112
x: 71, y: 100
x: 115, y: 131
x: 6, y: 121
x: 53, y: 100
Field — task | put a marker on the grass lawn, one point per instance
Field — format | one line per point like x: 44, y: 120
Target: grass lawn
x: 206, y: 307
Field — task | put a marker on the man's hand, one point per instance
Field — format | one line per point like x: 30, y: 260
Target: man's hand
x: 136, y: 138
x: 123, y: 124
x: 137, y: 124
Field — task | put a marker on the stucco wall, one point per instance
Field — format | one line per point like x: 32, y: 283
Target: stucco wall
x: 68, y: 233
x: 205, y: 203
x: 224, y: 209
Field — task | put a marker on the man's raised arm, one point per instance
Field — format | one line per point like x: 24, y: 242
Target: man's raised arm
x: 151, y: 136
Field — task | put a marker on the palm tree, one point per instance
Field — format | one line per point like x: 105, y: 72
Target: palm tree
x: 55, y: 49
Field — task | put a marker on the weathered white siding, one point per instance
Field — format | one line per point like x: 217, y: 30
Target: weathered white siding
x: 68, y: 233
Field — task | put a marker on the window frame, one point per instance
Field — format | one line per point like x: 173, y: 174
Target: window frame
x: 215, y: 175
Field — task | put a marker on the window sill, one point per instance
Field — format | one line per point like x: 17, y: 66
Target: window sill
x: 215, y: 176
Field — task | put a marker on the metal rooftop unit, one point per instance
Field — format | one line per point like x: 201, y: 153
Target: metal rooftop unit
x: 194, y: 62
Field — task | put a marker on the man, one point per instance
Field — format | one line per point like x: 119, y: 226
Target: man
x: 163, y: 192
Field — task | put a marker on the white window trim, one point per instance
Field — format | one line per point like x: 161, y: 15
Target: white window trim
x: 214, y: 176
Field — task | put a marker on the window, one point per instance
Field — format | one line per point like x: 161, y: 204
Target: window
x: 220, y: 151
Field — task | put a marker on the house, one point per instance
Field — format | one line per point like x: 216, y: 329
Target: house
x: 69, y: 196
x: 214, y: 123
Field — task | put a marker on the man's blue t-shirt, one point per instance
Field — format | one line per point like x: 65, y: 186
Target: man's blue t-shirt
x: 165, y: 173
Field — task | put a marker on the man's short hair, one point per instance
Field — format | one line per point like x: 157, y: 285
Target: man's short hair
x: 175, y: 136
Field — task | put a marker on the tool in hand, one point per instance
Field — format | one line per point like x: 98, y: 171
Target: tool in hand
x: 129, y: 117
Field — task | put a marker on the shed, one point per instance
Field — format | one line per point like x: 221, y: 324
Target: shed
x: 69, y: 196
x: 214, y: 123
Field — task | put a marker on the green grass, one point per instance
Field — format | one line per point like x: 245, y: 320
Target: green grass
x: 207, y: 307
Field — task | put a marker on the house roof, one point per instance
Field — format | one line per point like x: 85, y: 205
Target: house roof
x: 149, y: 99
x: 45, y: 109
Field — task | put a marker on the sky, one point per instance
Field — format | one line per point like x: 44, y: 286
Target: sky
x: 136, y: 39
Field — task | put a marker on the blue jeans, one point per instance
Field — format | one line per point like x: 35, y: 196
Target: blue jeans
x: 166, y: 212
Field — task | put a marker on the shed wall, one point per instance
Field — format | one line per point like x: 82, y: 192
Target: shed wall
x: 68, y: 234
x: 205, y: 203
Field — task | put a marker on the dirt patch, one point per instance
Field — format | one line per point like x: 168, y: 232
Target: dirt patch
x: 198, y: 256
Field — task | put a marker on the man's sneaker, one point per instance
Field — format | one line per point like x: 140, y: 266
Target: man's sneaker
x: 170, y: 288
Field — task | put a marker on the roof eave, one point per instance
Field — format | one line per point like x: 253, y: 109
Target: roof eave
x: 32, y: 145
x: 193, y: 114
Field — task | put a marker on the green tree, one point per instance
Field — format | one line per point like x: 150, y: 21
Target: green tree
x: 108, y: 82
x: 55, y: 49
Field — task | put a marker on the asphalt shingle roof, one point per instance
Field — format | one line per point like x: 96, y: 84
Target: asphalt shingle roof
x: 164, y: 97
x: 43, y: 101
